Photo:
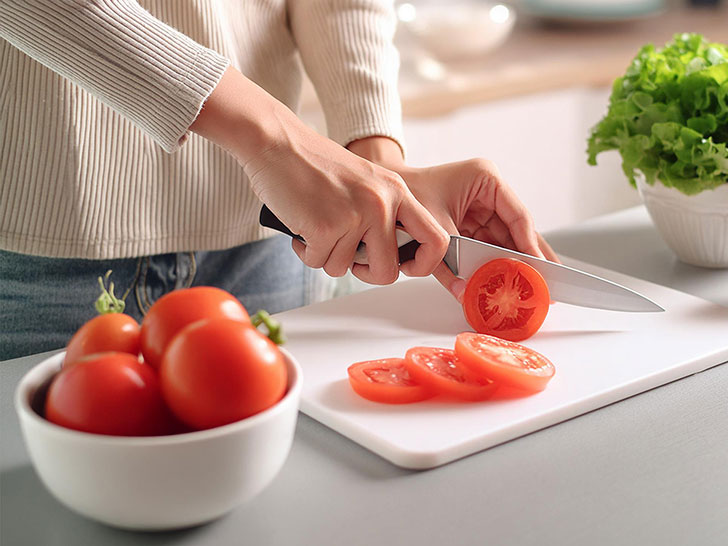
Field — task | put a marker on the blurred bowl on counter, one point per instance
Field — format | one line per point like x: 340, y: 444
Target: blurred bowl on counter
x: 457, y: 29
x: 592, y: 11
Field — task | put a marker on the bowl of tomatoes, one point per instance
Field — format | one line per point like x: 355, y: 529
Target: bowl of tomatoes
x: 170, y: 445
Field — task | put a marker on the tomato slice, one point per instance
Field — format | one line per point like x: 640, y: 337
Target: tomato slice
x: 503, y: 361
x: 386, y: 380
x: 442, y: 372
x: 506, y: 298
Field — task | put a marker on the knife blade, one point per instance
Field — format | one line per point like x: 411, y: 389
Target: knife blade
x: 465, y: 255
x: 566, y: 284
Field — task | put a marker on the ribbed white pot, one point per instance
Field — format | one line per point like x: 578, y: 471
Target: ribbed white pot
x: 695, y: 227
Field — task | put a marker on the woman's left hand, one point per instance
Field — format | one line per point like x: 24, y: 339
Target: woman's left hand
x: 467, y: 198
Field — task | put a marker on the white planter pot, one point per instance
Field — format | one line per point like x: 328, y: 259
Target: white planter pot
x: 695, y: 227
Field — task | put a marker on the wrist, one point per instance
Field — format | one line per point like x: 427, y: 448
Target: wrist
x: 242, y: 118
x: 381, y: 150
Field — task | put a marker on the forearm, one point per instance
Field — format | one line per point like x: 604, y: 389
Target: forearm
x: 139, y: 66
x: 242, y: 118
x: 348, y: 51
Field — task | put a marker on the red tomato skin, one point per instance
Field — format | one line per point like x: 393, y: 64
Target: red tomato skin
x: 404, y: 390
x: 481, y: 354
x: 176, y: 309
x: 108, y: 393
x: 112, y: 332
x: 218, y: 371
x: 506, y: 298
x: 457, y: 382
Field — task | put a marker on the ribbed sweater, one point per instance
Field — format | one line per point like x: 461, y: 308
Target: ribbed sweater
x: 96, y: 98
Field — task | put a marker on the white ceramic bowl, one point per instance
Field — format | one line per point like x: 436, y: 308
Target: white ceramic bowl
x: 695, y: 227
x: 161, y: 482
x: 462, y: 28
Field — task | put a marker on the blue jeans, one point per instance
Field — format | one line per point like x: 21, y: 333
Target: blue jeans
x: 43, y: 301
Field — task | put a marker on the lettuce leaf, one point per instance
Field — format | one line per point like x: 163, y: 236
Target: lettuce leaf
x: 668, y: 116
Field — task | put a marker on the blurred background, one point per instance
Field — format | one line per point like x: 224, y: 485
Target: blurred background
x: 521, y: 82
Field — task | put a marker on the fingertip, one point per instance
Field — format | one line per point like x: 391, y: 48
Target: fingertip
x: 407, y: 269
x: 415, y: 268
x: 299, y: 248
x: 547, y: 249
x: 365, y: 274
x: 455, y: 285
x: 457, y: 289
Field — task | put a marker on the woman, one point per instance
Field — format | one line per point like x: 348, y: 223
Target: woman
x: 143, y: 138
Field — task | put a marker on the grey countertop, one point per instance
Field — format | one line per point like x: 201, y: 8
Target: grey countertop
x: 652, y: 469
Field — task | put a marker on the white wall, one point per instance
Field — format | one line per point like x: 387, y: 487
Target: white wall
x: 539, y: 144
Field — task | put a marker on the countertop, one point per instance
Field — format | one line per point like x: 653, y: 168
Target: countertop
x: 541, y: 56
x: 652, y: 469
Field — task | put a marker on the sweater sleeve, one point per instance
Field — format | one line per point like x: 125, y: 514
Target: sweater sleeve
x: 348, y: 51
x: 144, y: 69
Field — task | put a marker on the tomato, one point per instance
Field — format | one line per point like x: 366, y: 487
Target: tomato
x: 386, y: 380
x: 441, y: 371
x: 506, y: 298
x: 108, y: 393
x: 503, y: 361
x: 110, y: 332
x: 218, y: 371
x: 175, y: 310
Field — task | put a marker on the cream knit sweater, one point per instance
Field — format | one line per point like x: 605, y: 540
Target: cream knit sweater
x: 96, y: 97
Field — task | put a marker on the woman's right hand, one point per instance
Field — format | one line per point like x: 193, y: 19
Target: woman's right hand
x: 333, y: 198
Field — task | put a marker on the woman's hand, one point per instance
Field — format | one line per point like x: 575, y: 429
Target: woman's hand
x: 468, y: 198
x: 333, y: 198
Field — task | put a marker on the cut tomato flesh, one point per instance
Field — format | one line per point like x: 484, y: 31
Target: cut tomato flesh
x: 504, y: 361
x: 507, y: 298
x: 441, y: 371
x: 386, y: 380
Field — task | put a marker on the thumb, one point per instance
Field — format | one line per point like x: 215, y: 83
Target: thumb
x: 447, y: 279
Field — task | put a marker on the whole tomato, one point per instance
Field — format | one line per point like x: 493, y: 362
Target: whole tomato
x: 108, y: 393
x: 110, y: 332
x: 218, y: 371
x: 175, y: 310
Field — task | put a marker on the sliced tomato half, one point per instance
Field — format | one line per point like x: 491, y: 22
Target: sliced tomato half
x: 504, y: 361
x: 506, y: 298
x: 441, y: 371
x: 386, y: 380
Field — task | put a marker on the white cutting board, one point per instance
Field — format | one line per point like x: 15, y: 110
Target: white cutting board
x: 600, y: 357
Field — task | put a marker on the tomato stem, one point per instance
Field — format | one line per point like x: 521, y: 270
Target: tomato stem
x: 275, y: 332
x: 108, y: 303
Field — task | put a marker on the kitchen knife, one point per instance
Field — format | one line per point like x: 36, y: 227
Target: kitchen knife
x: 465, y: 255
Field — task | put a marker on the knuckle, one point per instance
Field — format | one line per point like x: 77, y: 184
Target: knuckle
x: 443, y: 241
x: 396, y: 180
x: 485, y: 165
x: 313, y: 263
x: 419, y: 270
x: 388, y: 275
x: 335, y: 270
x: 351, y: 216
x: 323, y: 231
x: 377, y: 204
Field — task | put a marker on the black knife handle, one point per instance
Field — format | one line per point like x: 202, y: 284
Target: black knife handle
x: 270, y: 220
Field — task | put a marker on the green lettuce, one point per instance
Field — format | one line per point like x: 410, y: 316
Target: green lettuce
x: 668, y: 116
